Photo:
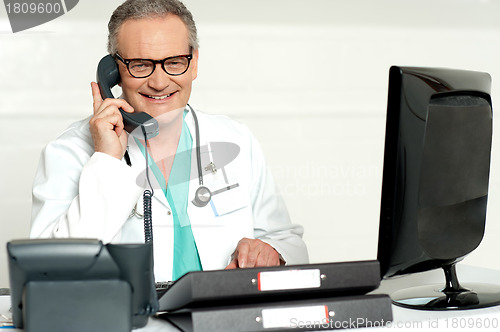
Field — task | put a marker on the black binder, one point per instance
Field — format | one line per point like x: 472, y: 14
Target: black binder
x: 257, y: 285
x: 306, y: 315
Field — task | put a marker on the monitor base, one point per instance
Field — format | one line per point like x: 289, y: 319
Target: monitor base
x: 452, y: 297
x: 433, y: 297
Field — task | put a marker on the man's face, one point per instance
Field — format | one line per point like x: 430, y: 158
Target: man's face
x: 156, y: 38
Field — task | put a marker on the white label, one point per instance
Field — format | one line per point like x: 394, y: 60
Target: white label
x: 290, y: 279
x: 294, y: 316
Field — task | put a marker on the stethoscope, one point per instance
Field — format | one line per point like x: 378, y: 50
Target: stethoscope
x: 202, y: 195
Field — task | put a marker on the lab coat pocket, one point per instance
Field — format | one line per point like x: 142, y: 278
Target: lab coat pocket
x: 229, y: 201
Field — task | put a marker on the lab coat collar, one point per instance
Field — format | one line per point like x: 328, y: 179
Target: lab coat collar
x: 139, y: 165
x: 138, y: 162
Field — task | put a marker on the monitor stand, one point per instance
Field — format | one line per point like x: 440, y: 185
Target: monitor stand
x: 452, y: 297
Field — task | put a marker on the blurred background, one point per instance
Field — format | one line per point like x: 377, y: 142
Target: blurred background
x: 308, y: 77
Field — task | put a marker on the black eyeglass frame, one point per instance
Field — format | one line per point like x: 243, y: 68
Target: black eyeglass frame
x: 127, y: 62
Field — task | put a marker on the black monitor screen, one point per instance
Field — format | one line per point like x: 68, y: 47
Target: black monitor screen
x: 436, y: 168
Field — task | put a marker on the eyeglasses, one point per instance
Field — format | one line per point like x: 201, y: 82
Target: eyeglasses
x: 142, y: 68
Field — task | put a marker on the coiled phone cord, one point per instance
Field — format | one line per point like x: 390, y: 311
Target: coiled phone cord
x: 152, y: 307
x: 146, y: 197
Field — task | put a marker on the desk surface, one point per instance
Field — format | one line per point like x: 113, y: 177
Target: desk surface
x: 487, y: 318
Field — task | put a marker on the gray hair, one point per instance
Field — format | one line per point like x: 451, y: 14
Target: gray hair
x: 139, y: 9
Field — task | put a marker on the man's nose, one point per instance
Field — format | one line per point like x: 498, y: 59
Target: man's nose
x: 159, y: 80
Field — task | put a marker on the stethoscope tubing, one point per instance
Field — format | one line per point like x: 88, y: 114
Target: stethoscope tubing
x: 198, y: 148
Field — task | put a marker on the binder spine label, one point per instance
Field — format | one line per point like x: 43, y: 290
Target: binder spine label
x: 289, y: 279
x: 287, y: 317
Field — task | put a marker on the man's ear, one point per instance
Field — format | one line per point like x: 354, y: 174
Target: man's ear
x: 194, y: 65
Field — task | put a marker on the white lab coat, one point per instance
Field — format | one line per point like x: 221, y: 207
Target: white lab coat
x: 78, y: 192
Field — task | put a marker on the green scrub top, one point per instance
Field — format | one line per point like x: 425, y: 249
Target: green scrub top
x: 186, y: 257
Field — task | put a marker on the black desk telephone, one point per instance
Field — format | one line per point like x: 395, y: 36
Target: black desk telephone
x: 108, y: 76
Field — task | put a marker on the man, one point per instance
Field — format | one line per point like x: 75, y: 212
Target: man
x: 85, y: 187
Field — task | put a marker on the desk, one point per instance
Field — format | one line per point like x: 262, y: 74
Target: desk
x: 403, y: 318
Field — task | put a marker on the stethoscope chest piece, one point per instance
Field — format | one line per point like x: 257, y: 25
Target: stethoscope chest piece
x: 202, y: 196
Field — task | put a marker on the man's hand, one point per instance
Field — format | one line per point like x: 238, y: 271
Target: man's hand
x: 254, y: 253
x: 106, y: 126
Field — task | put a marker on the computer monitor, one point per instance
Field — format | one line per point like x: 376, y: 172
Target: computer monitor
x: 435, y: 181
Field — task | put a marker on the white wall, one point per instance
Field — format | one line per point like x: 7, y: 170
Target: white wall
x: 322, y: 129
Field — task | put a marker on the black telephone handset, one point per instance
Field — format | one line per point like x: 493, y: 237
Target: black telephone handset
x: 108, y: 76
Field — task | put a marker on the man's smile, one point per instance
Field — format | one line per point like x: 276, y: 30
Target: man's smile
x: 160, y: 97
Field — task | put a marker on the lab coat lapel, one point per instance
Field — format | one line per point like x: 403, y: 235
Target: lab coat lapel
x: 139, y: 164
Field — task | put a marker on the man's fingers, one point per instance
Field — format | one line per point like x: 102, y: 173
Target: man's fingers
x: 232, y: 265
x: 253, y: 253
x: 242, y: 253
x: 108, y: 118
x: 116, y: 104
x: 264, y: 259
x: 96, y: 96
x: 106, y: 126
x: 100, y: 103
